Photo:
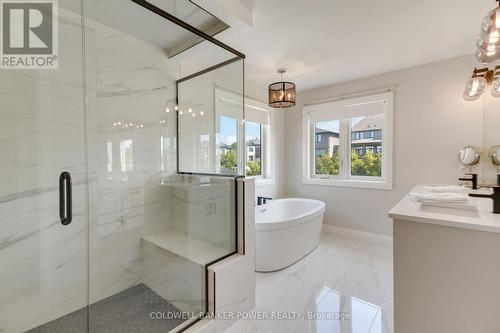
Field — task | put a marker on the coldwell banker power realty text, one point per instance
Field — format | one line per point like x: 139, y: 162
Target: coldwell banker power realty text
x: 29, y: 34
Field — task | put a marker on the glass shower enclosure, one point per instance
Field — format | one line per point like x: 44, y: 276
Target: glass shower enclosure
x: 112, y: 200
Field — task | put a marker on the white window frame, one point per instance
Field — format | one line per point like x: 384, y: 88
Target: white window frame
x: 343, y: 110
x: 255, y: 110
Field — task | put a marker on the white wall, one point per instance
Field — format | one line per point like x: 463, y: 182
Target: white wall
x: 431, y: 123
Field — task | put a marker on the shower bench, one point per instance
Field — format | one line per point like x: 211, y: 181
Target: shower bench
x: 174, y: 267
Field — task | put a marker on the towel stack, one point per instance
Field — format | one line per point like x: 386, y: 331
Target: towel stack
x: 444, y: 196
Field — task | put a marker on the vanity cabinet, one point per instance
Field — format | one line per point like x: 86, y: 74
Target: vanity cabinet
x: 204, y: 212
x: 446, y: 269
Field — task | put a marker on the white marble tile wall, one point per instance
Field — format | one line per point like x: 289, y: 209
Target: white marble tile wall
x: 130, y: 86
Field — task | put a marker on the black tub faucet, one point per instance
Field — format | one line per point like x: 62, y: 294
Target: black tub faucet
x: 495, y: 196
x: 472, y: 177
x: 262, y: 200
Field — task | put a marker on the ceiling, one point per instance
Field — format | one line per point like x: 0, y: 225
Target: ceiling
x: 323, y: 42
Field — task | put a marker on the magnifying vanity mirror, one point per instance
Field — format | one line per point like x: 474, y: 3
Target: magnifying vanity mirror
x: 494, y: 156
x: 469, y: 156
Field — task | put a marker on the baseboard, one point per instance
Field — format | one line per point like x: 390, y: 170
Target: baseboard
x: 358, y: 234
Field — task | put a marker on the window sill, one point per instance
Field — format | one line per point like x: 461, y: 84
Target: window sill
x: 368, y: 184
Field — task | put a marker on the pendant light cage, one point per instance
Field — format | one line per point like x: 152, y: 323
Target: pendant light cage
x: 282, y: 94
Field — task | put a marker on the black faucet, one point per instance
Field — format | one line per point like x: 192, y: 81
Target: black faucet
x: 262, y: 200
x: 495, y: 196
x: 472, y: 178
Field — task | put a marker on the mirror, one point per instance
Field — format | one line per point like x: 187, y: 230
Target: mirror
x: 469, y: 156
x: 494, y: 155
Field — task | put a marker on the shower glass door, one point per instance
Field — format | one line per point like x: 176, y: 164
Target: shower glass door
x: 141, y: 277
x: 94, y: 224
x: 43, y: 262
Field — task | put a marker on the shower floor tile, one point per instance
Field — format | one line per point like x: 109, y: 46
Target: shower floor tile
x: 127, y: 311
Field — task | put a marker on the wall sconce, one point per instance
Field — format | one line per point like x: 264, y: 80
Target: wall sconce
x: 480, y: 79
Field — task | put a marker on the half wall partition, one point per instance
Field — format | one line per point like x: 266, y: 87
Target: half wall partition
x: 93, y: 144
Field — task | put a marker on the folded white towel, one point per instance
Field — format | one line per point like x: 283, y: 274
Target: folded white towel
x: 466, y: 206
x: 440, y: 197
x: 446, y: 189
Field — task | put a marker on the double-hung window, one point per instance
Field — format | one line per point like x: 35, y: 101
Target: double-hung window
x: 258, y: 141
x: 243, y: 146
x: 356, y: 145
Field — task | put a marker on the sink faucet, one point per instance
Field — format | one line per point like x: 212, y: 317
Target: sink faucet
x: 495, y: 196
x: 472, y: 178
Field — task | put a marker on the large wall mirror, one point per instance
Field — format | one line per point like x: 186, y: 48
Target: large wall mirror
x: 210, y: 120
x: 491, y: 136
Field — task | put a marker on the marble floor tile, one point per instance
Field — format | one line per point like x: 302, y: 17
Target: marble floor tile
x: 344, y: 285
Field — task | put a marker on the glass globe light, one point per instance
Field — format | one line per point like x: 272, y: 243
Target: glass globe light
x: 486, y: 57
x: 474, y: 88
x: 491, y: 23
x: 485, y: 43
x: 495, y: 90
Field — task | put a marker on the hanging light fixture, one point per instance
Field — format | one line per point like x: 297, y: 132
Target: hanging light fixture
x: 488, y: 43
x: 282, y: 94
x: 480, y: 79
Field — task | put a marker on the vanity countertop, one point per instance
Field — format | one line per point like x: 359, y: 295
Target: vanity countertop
x: 482, y: 220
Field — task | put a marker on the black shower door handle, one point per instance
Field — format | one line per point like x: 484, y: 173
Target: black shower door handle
x: 65, y: 200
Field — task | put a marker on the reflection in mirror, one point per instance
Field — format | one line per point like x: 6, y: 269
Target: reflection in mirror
x: 210, y: 120
x: 469, y: 156
x: 494, y: 155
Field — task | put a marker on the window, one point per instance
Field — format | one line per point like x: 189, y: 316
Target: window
x: 110, y: 155
x: 356, y: 147
x: 327, y: 153
x: 244, y: 145
x: 127, y: 155
x: 318, y: 137
x: 253, y: 133
x: 259, y: 142
x: 228, y: 145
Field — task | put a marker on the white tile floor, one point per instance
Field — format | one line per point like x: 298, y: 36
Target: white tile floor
x: 341, y: 277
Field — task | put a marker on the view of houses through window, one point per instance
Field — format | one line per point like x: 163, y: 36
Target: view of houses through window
x: 228, y: 147
x: 366, y: 146
x: 253, y: 133
x: 326, y: 150
x: 365, y: 134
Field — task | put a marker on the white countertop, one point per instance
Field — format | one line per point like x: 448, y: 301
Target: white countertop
x: 482, y: 220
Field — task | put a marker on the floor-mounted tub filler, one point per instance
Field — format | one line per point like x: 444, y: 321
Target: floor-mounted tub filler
x: 286, y: 230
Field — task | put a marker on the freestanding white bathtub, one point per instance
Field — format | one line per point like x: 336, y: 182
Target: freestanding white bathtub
x: 286, y: 230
